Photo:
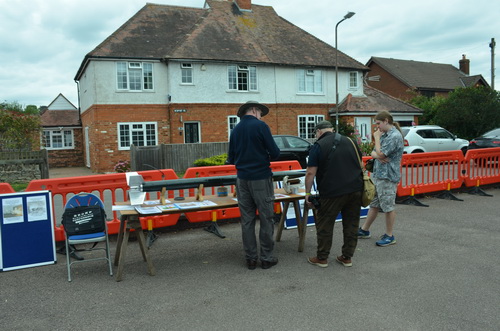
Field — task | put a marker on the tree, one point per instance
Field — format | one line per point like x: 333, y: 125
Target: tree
x: 469, y: 112
x: 18, y: 130
x: 428, y: 105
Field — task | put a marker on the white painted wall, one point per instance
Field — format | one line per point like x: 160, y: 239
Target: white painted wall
x: 276, y: 84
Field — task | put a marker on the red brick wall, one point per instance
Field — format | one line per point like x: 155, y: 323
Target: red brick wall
x: 68, y: 157
x: 388, y: 83
x: 102, y: 122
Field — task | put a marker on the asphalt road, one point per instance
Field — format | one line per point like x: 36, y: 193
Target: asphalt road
x: 443, y: 274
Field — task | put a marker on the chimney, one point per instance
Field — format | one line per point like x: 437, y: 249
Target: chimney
x: 244, y: 4
x: 464, y: 65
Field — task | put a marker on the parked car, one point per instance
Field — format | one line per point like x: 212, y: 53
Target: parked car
x: 431, y: 138
x: 293, y: 148
x: 487, y: 140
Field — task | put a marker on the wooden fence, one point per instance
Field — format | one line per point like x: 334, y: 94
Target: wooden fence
x: 178, y: 157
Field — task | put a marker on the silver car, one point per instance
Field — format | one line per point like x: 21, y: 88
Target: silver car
x: 431, y: 138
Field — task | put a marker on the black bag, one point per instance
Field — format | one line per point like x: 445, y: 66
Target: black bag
x: 84, y: 220
x: 369, y: 165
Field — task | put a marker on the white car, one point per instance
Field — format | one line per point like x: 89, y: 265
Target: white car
x: 431, y: 138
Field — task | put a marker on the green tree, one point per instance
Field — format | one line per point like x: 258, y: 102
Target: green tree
x: 19, y: 130
x: 469, y: 112
x: 428, y: 105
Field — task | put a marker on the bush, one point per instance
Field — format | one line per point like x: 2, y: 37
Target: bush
x: 211, y: 161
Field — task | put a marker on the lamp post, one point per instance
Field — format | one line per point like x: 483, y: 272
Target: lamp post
x: 348, y: 15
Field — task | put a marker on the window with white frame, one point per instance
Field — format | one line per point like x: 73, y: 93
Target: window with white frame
x: 58, y: 139
x: 353, y: 79
x: 310, y: 81
x: 137, y: 133
x: 186, y: 73
x: 242, y: 78
x: 134, y: 76
x: 231, y: 123
x: 307, y: 123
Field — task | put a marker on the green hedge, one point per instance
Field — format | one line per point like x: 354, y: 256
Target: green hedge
x: 211, y: 161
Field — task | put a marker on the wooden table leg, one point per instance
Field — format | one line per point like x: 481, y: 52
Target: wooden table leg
x: 281, y: 224
x: 123, y: 221
x: 121, y: 259
x: 300, y: 226
x: 144, y: 250
x: 303, y: 220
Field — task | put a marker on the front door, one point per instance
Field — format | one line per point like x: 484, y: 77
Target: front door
x: 192, y: 132
x: 87, y: 147
x: 363, y: 125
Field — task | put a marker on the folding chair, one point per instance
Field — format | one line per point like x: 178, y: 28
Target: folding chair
x: 99, y: 234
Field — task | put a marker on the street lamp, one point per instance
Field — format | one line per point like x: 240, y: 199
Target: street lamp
x: 348, y: 15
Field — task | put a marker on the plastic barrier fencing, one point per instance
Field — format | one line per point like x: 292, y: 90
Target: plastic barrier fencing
x: 110, y: 188
x: 6, y: 188
x: 421, y: 173
x: 481, y: 167
x: 430, y: 172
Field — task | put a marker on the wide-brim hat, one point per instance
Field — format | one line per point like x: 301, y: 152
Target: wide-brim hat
x: 250, y: 104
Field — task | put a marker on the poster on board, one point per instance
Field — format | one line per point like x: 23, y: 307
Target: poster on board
x: 26, y: 230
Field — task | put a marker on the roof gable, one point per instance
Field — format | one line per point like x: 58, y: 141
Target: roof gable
x: 422, y: 75
x: 61, y: 103
x: 218, y: 32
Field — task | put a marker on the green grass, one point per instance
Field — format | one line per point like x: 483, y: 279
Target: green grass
x: 19, y: 187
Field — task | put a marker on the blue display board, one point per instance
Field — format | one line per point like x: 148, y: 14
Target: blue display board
x: 291, y: 221
x: 26, y: 230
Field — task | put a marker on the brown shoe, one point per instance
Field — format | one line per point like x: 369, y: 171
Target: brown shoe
x: 345, y: 261
x: 320, y: 263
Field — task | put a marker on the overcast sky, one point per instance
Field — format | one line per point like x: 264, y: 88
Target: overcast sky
x: 43, y: 42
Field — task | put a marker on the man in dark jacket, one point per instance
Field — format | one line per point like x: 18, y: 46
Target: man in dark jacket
x: 251, y: 148
x: 334, y: 163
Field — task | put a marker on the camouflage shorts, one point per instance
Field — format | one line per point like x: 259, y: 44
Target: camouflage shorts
x: 385, y: 197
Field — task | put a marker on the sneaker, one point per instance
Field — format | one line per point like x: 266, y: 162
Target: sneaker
x: 318, y: 262
x: 345, y: 261
x: 362, y: 234
x: 386, y: 240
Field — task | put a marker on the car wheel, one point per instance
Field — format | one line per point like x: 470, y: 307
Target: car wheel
x: 464, y: 150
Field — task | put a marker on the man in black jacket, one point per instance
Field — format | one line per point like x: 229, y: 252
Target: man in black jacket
x: 334, y: 163
x: 251, y: 148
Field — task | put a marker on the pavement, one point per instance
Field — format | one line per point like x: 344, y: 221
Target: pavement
x: 443, y: 274
x: 70, y: 172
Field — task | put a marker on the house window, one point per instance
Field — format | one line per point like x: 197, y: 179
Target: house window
x: 139, y: 134
x: 231, y: 123
x: 310, y: 81
x: 242, y: 78
x: 186, y: 73
x: 134, y: 76
x: 58, y: 139
x: 353, y: 79
x: 307, y: 124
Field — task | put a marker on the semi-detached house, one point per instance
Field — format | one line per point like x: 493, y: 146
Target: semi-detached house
x: 174, y: 74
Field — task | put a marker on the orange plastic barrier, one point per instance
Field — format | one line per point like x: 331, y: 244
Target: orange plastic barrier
x: 430, y: 172
x: 6, y: 188
x: 225, y: 170
x: 482, y: 167
x: 109, y: 186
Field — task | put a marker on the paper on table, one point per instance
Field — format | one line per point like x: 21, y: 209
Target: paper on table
x: 195, y: 204
x: 122, y: 207
x: 147, y: 210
